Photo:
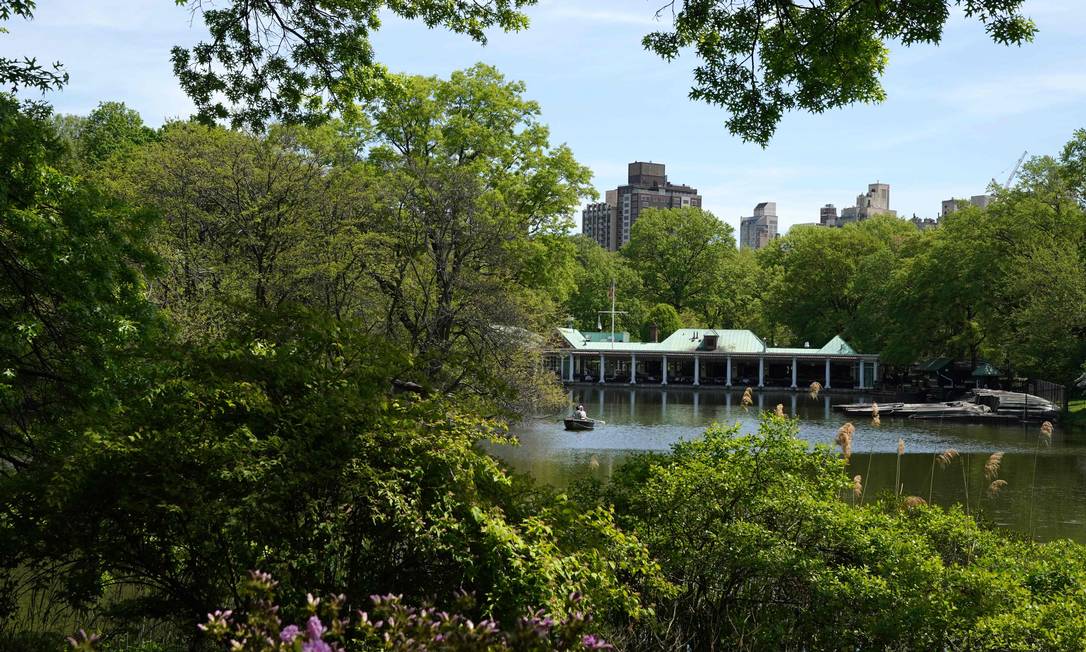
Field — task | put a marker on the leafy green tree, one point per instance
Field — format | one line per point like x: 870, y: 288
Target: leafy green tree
x: 597, y: 269
x: 678, y: 253
x: 765, y: 548
x: 110, y: 128
x: 72, y: 295
x: 821, y: 279
x: 22, y: 73
x: 298, y: 60
x: 278, y: 446
x: 762, y: 58
x: 666, y: 320
x: 251, y: 221
x: 475, y: 194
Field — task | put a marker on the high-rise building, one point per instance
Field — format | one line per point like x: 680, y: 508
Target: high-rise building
x: 951, y: 205
x: 827, y: 215
x: 757, y: 230
x: 876, y: 201
x: 609, y: 222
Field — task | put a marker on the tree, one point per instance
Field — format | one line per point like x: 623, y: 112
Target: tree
x: 472, y: 184
x: 22, y: 73
x: 821, y: 279
x: 110, y: 128
x: 664, y: 318
x: 71, y: 295
x: 761, y: 58
x: 278, y: 446
x: 251, y: 221
x: 678, y: 252
x: 597, y: 269
x: 297, y: 61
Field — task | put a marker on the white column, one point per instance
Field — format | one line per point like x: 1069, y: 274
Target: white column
x: 572, y: 364
x: 697, y: 371
x: 663, y: 371
x: 633, y: 369
x: 793, y: 372
x: 826, y: 385
x: 875, y: 374
x: 603, y: 369
x: 862, y: 374
x: 728, y: 382
x: 761, y: 372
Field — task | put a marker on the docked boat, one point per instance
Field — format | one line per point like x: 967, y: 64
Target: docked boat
x: 575, y: 424
x: 985, y: 405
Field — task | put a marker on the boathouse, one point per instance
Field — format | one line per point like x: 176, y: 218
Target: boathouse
x: 707, y: 356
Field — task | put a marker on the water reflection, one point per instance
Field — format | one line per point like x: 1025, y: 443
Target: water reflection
x: 654, y: 419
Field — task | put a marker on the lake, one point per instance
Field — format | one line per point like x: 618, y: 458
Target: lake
x: 652, y: 419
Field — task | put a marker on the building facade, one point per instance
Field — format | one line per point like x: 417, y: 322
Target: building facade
x: 609, y: 222
x: 759, y: 229
x: 876, y: 201
x: 827, y: 215
x: 950, y: 205
x: 707, y: 356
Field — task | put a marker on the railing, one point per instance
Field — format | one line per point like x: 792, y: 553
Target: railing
x: 1052, y: 392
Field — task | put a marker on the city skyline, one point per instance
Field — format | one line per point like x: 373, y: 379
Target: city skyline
x: 956, y: 115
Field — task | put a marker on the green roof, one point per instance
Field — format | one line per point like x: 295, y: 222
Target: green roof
x: 690, y: 340
x: 984, y: 369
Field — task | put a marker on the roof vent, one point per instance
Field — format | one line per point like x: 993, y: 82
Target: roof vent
x: 806, y: 345
x: 708, y: 343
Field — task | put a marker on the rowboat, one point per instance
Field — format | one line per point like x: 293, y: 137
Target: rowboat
x: 573, y: 423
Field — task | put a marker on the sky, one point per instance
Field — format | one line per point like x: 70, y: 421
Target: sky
x: 957, y: 115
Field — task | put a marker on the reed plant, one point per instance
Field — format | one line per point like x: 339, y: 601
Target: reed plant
x: 1045, y: 439
x: 814, y: 389
x: 897, y: 476
x: 944, y: 460
x: 748, y: 398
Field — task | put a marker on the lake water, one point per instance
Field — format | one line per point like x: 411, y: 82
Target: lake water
x: 654, y: 419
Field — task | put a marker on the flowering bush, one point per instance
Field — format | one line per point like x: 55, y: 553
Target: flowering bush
x: 388, y: 625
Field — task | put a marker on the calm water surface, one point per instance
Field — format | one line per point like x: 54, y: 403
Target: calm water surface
x: 654, y: 419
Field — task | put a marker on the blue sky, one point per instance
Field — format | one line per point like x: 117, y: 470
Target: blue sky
x: 957, y: 115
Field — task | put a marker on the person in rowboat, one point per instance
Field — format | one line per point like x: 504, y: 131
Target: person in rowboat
x: 579, y: 413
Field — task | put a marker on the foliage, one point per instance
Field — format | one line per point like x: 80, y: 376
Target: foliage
x: 388, y: 624
x: 761, y: 58
x: 279, y: 446
x: 16, y: 74
x: 664, y: 318
x: 677, y: 252
x: 596, y: 270
x: 477, y: 198
x: 764, y: 554
x: 299, y: 60
x: 110, y: 128
x: 72, y: 295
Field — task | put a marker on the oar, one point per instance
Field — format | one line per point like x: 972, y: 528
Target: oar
x: 599, y: 421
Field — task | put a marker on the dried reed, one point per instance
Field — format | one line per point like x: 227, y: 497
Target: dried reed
x: 991, y: 467
x: 748, y: 398
x: 780, y: 410
x: 944, y: 459
x: 995, y: 487
x: 857, y: 487
x: 815, y: 389
x: 912, y: 502
x: 844, y: 439
x: 897, y: 476
x: 1046, y: 433
x: 875, y: 420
